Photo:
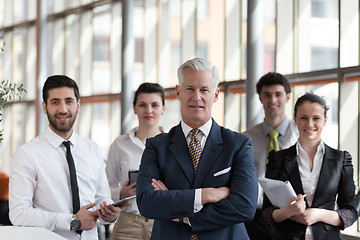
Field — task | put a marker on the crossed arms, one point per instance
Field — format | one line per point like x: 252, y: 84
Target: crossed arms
x: 227, y: 200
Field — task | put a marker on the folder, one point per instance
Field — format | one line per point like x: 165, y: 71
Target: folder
x: 21, y: 233
x: 278, y: 192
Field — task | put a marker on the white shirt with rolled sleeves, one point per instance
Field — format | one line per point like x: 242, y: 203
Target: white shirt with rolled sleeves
x: 40, y: 190
x: 124, y: 155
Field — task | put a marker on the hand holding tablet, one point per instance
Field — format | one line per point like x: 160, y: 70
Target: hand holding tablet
x: 118, y: 203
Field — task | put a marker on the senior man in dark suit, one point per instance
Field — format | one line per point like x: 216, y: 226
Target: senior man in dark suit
x: 199, y: 180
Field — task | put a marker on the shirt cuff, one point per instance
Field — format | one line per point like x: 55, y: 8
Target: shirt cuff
x: 347, y: 217
x: 63, y: 221
x: 115, y: 193
x: 197, y: 202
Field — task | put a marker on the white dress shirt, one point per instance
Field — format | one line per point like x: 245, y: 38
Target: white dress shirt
x: 40, y: 190
x: 309, y: 178
x: 202, y: 136
x: 125, y: 154
x: 288, y: 135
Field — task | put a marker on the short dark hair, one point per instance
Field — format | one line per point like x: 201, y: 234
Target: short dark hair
x: 273, y: 78
x: 59, y: 81
x: 150, y: 88
x: 313, y: 98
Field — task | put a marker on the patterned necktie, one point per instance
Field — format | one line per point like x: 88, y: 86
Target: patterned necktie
x: 73, y: 180
x: 195, y: 154
x: 195, y: 148
x: 274, y: 143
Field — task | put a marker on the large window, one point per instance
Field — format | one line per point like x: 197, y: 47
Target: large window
x: 313, y: 42
x: 318, y: 34
x: 101, y: 46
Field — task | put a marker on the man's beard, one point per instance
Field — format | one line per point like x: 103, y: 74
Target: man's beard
x: 66, y: 127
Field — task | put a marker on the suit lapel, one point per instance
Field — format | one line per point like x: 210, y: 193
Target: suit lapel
x: 292, y: 170
x: 328, y: 167
x: 176, y: 147
x: 213, y: 147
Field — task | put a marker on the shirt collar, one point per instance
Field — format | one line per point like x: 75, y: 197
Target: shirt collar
x: 132, y: 133
x: 205, y: 129
x: 283, y: 126
x: 135, y: 140
x: 320, y: 148
x: 55, y: 140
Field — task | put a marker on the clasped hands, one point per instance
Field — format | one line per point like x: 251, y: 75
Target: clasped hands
x: 298, y: 212
x: 208, y: 195
x: 106, y: 212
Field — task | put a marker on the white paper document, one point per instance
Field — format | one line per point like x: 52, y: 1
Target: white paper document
x: 278, y: 192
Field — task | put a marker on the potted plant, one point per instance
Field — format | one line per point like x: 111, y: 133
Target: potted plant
x: 8, y: 91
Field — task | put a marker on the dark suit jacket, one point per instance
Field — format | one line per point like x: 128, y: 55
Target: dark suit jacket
x: 335, y: 180
x: 167, y: 158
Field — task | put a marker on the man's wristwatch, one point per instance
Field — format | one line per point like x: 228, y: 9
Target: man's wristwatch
x: 75, y: 223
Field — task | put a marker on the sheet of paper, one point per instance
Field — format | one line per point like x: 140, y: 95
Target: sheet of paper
x: 278, y: 192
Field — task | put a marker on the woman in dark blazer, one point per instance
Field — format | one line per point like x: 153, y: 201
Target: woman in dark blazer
x: 313, y: 168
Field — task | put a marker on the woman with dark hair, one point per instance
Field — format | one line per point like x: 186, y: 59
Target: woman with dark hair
x: 125, y: 155
x: 323, y: 174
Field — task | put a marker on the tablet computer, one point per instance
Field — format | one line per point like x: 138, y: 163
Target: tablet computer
x: 118, y: 203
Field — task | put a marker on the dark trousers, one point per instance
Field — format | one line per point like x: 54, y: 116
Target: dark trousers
x: 258, y: 229
x: 4, y: 212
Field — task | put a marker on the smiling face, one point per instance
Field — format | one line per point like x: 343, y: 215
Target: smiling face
x: 61, y: 109
x: 149, y: 109
x: 310, y: 120
x: 274, y: 99
x: 197, y: 95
